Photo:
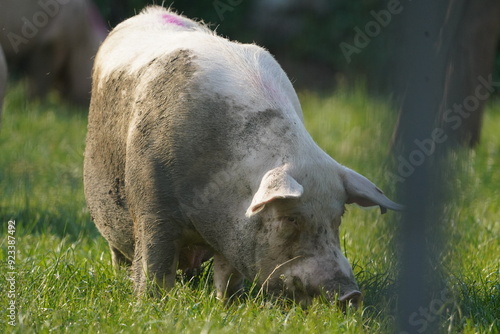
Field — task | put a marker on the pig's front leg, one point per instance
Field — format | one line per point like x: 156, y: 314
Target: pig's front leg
x: 228, y: 281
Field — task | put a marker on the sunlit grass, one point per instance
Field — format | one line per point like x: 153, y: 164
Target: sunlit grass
x: 66, y: 283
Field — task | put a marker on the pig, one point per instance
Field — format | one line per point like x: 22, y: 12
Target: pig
x: 53, y: 42
x: 3, y: 79
x: 196, y: 147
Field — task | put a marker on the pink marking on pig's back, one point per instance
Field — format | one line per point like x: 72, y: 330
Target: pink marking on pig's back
x: 173, y: 19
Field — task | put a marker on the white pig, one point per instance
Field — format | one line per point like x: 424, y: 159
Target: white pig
x: 53, y: 42
x: 196, y: 147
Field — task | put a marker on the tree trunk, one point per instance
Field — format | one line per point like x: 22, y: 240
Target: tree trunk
x: 469, y: 73
x: 471, y: 66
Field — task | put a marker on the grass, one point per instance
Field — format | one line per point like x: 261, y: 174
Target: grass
x: 65, y: 282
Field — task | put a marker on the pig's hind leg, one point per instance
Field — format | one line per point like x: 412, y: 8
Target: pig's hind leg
x: 156, y: 257
x: 157, y: 227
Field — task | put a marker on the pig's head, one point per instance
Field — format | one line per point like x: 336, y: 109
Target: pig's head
x: 299, y: 215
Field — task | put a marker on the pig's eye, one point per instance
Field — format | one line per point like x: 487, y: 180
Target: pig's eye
x: 289, y: 226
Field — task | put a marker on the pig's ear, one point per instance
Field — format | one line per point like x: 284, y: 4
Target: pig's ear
x: 275, y: 184
x: 363, y: 192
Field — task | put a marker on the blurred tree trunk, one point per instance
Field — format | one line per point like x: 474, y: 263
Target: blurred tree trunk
x: 471, y: 66
x: 426, y: 30
x: 469, y: 74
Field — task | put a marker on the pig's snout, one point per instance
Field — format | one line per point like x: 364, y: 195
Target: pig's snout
x: 347, y: 296
x: 310, y: 278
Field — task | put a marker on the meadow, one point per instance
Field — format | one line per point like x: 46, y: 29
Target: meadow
x: 64, y: 281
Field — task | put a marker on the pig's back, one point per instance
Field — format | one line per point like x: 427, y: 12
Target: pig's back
x: 243, y: 72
